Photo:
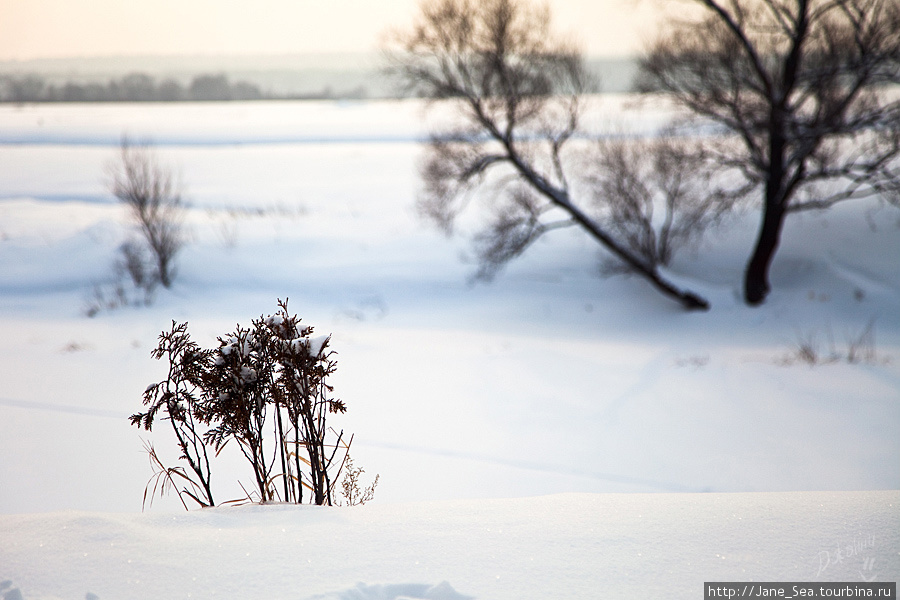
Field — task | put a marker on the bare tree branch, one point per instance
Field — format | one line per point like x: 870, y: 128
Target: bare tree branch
x: 153, y: 195
x: 518, y: 92
x: 802, y: 85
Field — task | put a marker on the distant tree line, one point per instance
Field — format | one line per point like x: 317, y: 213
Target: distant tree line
x: 134, y: 87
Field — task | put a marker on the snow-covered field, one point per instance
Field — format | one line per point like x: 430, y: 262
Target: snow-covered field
x: 550, y: 547
x: 475, y: 404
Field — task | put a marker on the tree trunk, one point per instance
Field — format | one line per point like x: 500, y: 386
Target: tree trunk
x: 756, y: 281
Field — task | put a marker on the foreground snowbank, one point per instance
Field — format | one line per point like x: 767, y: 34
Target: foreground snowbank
x: 562, y: 546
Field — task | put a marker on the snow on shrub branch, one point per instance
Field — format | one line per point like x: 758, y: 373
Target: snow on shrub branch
x: 265, y: 388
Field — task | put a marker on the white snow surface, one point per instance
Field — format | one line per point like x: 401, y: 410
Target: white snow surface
x: 518, y: 428
x: 559, y: 546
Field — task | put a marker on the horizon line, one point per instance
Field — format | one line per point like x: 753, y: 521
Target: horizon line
x: 243, y: 56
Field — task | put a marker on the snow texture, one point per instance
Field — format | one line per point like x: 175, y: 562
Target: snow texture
x: 561, y: 546
x: 552, y: 380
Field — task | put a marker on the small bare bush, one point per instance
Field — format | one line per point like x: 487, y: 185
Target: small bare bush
x: 810, y: 350
x: 132, y: 283
x: 136, y: 264
x: 861, y: 346
x: 266, y: 389
x: 353, y: 495
x: 656, y: 196
x: 152, y: 195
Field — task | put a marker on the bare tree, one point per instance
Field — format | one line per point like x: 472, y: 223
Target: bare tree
x: 802, y: 89
x: 519, y: 94
x: 152, y: 194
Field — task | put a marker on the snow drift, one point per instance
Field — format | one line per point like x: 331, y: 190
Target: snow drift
x: 562, y: 546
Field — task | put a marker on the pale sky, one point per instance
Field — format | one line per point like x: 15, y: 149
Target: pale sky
x: 81, y: 28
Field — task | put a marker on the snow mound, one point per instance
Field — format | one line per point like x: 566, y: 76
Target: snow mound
x: 567, y: 546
